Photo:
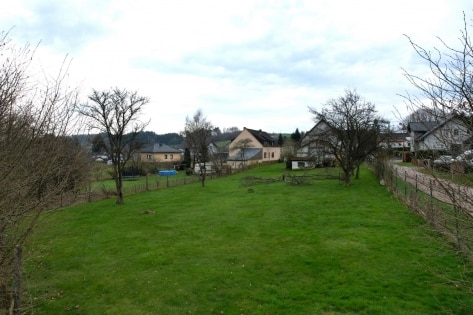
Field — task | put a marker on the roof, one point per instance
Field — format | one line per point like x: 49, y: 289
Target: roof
x: 263, y: 137
x: 423, y: 126
x: 158, y: 148
x: 250, y: 153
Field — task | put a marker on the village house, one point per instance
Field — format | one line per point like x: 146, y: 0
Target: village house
x: 451, y: 135
x: 313, y: 151
x: 158, y: 152
x: 252, y: 147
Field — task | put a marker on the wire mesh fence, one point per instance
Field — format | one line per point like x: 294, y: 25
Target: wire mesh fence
x: 447, y: 207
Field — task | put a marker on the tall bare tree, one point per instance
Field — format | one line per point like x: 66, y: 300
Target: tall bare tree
x: 354, y: 130
x: 39, y: 162
x: 446, y: 91
x: 116, y: 114
x: 198, y: 134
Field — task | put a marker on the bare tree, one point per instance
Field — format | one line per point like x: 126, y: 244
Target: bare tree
x: 116, y: 114
x: 198, y: 134
x: 242, y: 146
x: 39, y: 161
x: 446, y: 92
x: 354, y: 130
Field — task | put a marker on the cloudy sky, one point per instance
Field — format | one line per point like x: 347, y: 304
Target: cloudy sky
x: 255, y: 64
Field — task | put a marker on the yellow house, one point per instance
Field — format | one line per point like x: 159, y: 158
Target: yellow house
x: 158, y: 152
x: 253, y: 147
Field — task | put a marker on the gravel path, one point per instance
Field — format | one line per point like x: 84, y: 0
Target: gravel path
x: 440, y: 189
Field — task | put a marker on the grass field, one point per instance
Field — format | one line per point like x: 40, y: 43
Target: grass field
x: 319, y: 248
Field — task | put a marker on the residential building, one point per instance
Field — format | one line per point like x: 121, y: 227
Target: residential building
x: 251, y: 147
x: 450, y: 135
x: 313, y: 151
x: 158, y: 152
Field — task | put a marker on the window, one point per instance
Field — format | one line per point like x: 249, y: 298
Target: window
x: 149, y: 156
x: 171, y: 156
x: 272, y: 155
x: 165, y: 156
x: 264, y: 154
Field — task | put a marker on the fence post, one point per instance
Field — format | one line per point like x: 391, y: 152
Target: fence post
x: 147, y: 187
x: 456, y: 213
x: 416, y: 184
x: 431, y: 200
x: 405, y: 183
x: 17, y: 280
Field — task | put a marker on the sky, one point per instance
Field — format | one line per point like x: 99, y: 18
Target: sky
x: 246, y: 63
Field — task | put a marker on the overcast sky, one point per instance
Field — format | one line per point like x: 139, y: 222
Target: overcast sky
x: 255, y: 64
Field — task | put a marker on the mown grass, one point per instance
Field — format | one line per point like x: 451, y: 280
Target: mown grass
x: 308, y: 249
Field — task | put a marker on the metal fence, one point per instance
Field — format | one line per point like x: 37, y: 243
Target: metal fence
x: 447, y: 207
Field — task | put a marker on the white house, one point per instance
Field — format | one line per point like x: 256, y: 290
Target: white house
x: 450, y: 135
x: 313, y: 152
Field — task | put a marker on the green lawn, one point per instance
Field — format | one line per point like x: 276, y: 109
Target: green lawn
x: 310, y: 249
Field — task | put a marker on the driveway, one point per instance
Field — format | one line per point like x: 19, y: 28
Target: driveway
x: 441, y: 189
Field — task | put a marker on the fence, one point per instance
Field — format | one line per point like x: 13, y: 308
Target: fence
x: 447, y: 207
x: 152, y: 183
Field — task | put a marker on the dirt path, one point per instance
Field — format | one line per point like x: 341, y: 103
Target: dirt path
x: 440, y: 189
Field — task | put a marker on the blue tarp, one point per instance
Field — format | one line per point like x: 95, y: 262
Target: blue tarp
x: 167, y: 172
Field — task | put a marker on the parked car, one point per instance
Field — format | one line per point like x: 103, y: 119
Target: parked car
x: 466, y: 156
x: 444, y: 159
x: 467, y: 159
x: 443, y: 162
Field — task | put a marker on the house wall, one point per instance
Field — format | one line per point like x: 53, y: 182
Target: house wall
x: 159, y: 157
x: 269, y: 153
x: 445, y: 137
x: 245, y: 134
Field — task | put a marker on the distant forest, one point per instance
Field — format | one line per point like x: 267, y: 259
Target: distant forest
x: 171, y: 139
x: 174, y: 139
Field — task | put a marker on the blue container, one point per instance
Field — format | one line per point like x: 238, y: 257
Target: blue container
x: 167, y: 172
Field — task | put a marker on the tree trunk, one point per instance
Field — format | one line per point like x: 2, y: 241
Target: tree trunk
x: 119, y: 186
x: 346, y: 178
x: 357, y: 173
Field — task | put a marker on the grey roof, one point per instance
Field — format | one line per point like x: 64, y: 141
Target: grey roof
x: 423, y: 126
x: 250, y: 153
x: 158, y: 148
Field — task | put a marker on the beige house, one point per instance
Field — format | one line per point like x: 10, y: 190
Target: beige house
x: 158, y: 152
x: 252, y: 147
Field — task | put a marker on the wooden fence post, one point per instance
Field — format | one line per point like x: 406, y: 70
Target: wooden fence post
x: 431, y: 200
x: 456, y: 214
x: 18, y: 260
x: 416, y: 184
x: 405, y: 183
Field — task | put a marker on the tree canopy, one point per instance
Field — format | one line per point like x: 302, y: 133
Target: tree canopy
x: 354, y: 130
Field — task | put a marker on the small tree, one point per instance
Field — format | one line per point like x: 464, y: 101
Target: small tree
x: 242, y: 147
x: 187, y: 158
x: 280, y: 140
x: 354, y: 130
x: 296, y: 136
x: 198, y: 133
x: 115, y: 113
